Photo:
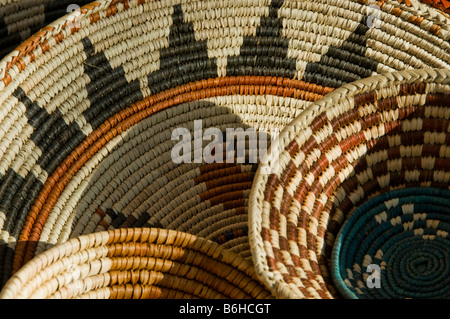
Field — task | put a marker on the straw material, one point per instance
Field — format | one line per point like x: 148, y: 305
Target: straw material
x: 19, y: 19
x: 367, y: 144
x: 136, y: 264
x: 88, y: 109
x: 442, y: 5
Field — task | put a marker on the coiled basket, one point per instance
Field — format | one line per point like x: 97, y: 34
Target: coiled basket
x: 134, y: 264
x: 131, y: 114
x: 355, y: 201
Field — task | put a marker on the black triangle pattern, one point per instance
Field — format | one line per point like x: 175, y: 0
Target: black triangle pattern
x: 343, y: 64
x: 185, y: 60
x: 266, y: 53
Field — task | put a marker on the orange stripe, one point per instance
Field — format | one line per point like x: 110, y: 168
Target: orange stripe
x: 128, y: 117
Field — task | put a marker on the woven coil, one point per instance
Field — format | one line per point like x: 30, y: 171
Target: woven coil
x: 20, y: 19
x: 136, y: 264
x: 88, y: 109
x: 404, y: 233
x: 345, y: 153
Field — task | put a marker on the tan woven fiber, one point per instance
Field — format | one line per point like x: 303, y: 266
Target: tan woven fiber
x: 135, y: 264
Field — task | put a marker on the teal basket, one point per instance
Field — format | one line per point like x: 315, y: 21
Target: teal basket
x: 396, y: 245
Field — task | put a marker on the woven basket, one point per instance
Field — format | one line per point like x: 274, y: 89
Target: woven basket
x: 88, y: 110
x: 136, y: 264
x: 405, y: 237
x: 19, y: 19
x: 375, y: 155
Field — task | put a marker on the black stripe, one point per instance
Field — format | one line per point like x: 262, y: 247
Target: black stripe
x: 109, y: 92
x: 3, y: 28
x: 111, y: 213
x: 344, y: 64
x: 48, y: 127
x: 120, y: 218
x: 9, y: 186
x: 5, y: 266
x: 266, y: 53
x: 31, y: 107
x: 17, y: 196
x: 142, y: 220
x: 185, y: 60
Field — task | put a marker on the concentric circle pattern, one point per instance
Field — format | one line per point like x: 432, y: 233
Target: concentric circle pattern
x: 126, y: 114
x: 398, y: 243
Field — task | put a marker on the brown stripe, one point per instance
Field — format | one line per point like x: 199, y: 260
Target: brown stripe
x: 237, y: 204
x: 352, y: 141
x: 287, y: 173
x: 310, y: 144
x: 370, y: 186
x: 274, y: 218
x: 292, y: 148
x: 412, y: 89
x: 397, y: 12
x: 291, y: 231
x: 415, y: 20
x: 331, y: 186
x: 129, y: 222
x: 265, y: 234
x: 99, y: 211
x: 285, y: 204
x: 393, y: 127
x: 319, y: 121
x: 345, y: 119
x: 272, y: 263
x: 300, y: 192
x: 364, y: 98
x: 219, y: 195
x: 441, y: 163
x: 413, y: 138
x: 386, y: 104
x: 435, y: 125
x: 320, y: 166
x: 413, y: 111
x: 229, y: 180
x: 438, y: 99
x: 328, y: 144
x: 435, y: 29
x: 272, y: 182
x: 316, y: 269
x: 379, y: 144
x: 210, y: 172
x: 339, y: 163
x: 276, y: 254
x: 283, y: 243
